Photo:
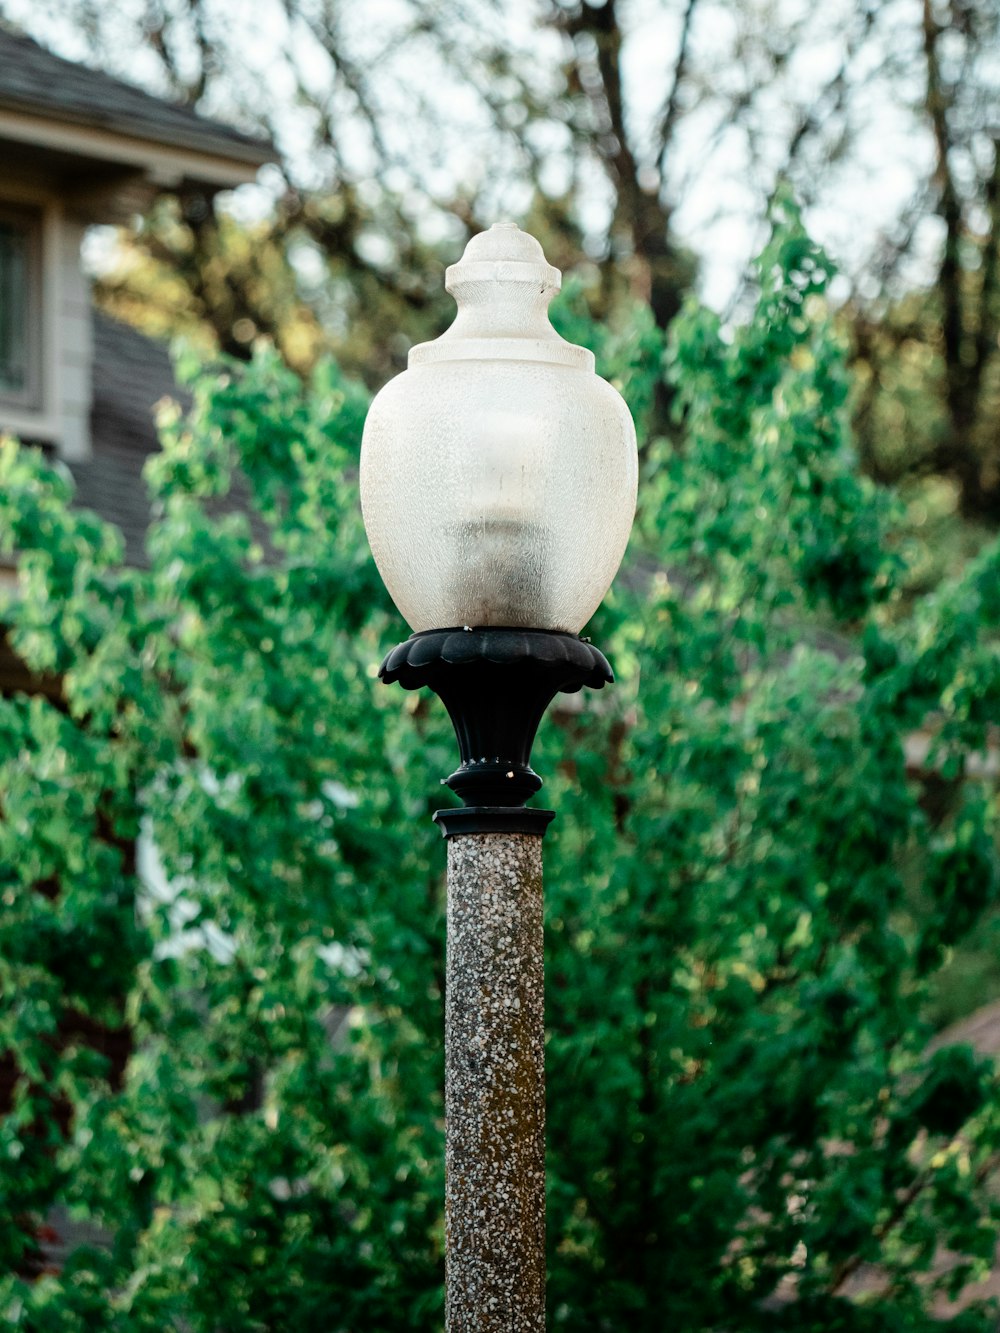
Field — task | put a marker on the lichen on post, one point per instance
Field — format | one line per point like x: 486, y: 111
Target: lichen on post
x: 495, y: 1085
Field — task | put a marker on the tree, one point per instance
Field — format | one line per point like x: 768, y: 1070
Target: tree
x: 432, y: 119
x: 747, y: 901
x: 932, y: 364
x: 652, y: 134
x: 193, y: 271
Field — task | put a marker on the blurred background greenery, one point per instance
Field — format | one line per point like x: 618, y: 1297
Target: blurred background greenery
x: 775, y: 876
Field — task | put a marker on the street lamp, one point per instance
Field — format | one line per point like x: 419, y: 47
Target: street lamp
x: 498, y: 485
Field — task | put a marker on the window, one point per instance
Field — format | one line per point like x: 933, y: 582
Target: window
x: 20, y: 307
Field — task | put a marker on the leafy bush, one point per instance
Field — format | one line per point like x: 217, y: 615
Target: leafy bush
x: 747, y: 897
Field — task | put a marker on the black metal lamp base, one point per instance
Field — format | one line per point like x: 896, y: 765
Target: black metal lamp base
x: 496, y: 683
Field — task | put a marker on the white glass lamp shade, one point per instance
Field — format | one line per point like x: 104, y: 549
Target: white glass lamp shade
x: 498, y: 472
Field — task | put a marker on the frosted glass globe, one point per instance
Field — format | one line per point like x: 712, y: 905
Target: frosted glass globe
x: 498, y: 472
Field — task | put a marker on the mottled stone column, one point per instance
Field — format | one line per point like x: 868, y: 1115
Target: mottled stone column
x: 495, y: 1085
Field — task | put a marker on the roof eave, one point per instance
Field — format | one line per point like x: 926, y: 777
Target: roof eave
x: 225, y: 165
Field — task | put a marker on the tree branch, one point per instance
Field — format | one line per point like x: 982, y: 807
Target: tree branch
x: 671, y: 107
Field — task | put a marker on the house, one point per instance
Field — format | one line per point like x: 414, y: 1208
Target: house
x: 79, y: 148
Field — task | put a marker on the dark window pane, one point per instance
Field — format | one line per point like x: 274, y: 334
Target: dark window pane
x: 14, y: 341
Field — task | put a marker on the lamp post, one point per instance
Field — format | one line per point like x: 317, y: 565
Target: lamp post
x: 498, y: 484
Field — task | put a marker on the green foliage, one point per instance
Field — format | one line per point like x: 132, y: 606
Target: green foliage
x: 746, y: 896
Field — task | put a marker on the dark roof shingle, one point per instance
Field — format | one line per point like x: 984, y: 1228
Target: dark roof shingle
x: 36, y: 81
x: 131, y: 374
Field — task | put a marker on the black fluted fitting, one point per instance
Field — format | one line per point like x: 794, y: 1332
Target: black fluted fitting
x: 496, y: 684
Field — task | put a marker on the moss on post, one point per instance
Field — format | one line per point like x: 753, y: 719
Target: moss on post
x: 495, y: 1085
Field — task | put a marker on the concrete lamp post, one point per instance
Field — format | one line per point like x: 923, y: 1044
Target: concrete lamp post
x: 498, y: 484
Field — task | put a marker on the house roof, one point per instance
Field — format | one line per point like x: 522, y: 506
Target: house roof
x: 36, y: 82
x: 131, y: 374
